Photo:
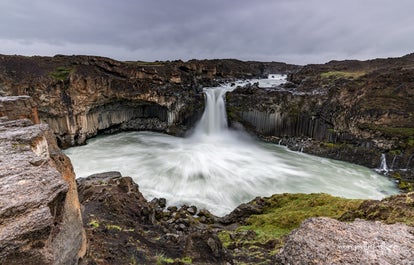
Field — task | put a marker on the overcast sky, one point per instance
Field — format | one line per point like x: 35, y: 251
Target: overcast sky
x: 292, y: 31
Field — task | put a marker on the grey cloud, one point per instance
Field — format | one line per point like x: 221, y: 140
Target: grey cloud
x: 295, y: 31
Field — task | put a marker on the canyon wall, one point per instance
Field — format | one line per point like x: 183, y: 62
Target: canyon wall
x: 81, y: 96
x: 40, y: 216
x: 349, y: 110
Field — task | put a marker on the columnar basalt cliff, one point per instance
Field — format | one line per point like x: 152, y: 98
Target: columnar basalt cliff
x: 81, y: 96
x: 349, y: 110
x: 40, y: 218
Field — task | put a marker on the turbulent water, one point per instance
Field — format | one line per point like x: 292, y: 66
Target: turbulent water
x: 217, y: 168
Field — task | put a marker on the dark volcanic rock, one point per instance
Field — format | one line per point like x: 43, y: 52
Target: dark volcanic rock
x: 124, y: 228
x: 348, y: 110
x: 328, y: 241
x: 81, y: 96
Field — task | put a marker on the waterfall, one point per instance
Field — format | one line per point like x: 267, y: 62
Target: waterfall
x: 214, y: 119
x: 383, y: 166
x: 217, y: 168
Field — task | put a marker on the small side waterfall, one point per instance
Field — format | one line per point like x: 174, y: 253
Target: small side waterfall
x: 383, y: 165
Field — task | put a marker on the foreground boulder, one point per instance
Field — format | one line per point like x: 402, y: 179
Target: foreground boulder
x: 40, y: 219
x: 328, y: 241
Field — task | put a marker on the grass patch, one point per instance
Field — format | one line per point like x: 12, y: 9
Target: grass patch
x: 342, y: 74
x: 61, y: 73
x: 331, y: 145
x: 114, y: 227
x: 142, y: 63
x: 94, y: 224
x: 162, y: 259
x: 405, y: 132
x: 286, y: 212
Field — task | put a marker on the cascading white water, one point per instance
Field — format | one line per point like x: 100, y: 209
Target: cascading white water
x: 383, y: 166
x: 218, y: 168
x: 214, y: 119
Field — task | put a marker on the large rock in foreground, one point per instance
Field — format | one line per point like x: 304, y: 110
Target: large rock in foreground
x: 40, y: 221
x: 328, y: 241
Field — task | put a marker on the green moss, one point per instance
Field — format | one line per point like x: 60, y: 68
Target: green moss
x: 329, y: 144
x: 394, y: 209
x: 395, y: 152
x: 406, y: 132
x: 402, y: 184
x: 162, y: 259
x: 61, y: 73
x: 342, y: 74
x: 133, y: 261
x: 142, y: 63
x: 286, y: 211
x: 114, y: 227
x: 94, y: 224
x: 263, y: 235
x: 186, y: 260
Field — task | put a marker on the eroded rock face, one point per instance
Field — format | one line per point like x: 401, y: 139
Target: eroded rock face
x: 347, y: 110
x: 40, y: 221
x: 81, y: 96
x: 328, y: 241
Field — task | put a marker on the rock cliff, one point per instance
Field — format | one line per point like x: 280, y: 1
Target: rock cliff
x: 40, y: 218
x: 348, y: 110
x: 81, y: 96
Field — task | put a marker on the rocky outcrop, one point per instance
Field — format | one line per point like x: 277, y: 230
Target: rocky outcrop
x: 124, y: 228
x: 40, y: 219
x: 81, y: 96
x: 349, y: 110
x: 328, y: 241
x: 394, y: 209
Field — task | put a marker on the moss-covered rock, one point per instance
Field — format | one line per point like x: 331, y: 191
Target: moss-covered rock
x: 260, y: 236
x: 394, y: 209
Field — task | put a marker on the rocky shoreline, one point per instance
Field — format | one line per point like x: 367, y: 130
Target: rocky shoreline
x: 351, y: 110
x: 124, y: 228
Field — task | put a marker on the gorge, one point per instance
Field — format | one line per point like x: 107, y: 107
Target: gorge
x: 218, y: 168
x: 355, y: 111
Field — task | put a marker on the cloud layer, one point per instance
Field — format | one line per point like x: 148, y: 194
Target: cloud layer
x: 294, y: 31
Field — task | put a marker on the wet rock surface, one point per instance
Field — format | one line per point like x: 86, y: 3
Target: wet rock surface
x: 328, y: 241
